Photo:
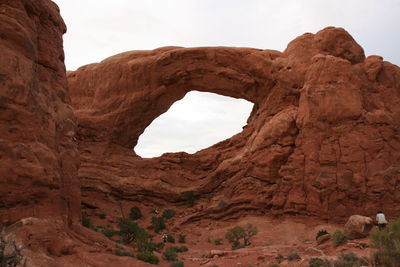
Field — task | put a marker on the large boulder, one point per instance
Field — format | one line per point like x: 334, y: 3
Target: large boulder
x: 358, y: 226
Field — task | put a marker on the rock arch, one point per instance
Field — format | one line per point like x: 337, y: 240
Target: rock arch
x: 322, y: 138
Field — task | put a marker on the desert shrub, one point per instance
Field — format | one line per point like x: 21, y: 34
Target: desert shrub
x: 235, y: 234
x: 387, y: 243
x: 218, y: 242
x: 147, y: 256
x: 181, y: 238
x: 159, y: 245
x: 177, y: 264
x: 170, y: 254
x: 293, y: 257
x: 86, y: 221
x: 132, y: 232
x: 350, y: 260
x: 135, y: 213
x: 338, y: 238
x: 279, y: 258
x: 102, y: 216
x: 180, y: 249
x: 158, y: 223
x: 168, y: 214
x: 274, y: 265
x: 249, y: 231
x: 123, y: 253
x: 170, y: 239
x: 317, y: 262
x: 189, y: 198
x: 321, y: 233
x: 109, y: 232
x: 128, y: 230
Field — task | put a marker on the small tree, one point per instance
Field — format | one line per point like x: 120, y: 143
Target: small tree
x: 177, y: 264
x: 158, y: 223
x: 387, y: 243
x: 182, y: 238
x: 170, y: 254
x: 148, y: 256
x: 234, y: 235
x: 189, y: 198
x: 135, y: 213
x: 249, y: 231
x: 168, y: 214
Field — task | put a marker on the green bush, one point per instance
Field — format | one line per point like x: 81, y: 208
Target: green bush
x: 147, y: 256
x: 168, y: 214
x: 132, y: 232
x: 279, y: 257
x: 86, y: 221
x: 123, y: 253
x: 321, y: 233
x: 102, y: 216
x: 293, y: 257
x: 338, y: 238
x: 218, y: 242
x: 350, y: 260
x: 180, y: 249
x: 109, y: 232
x: 235, y: 234
x: 170, y: 239
x: 128, y: 230
x: 159, y: 245
x: 170, y: 254
x: 135, y: 213
x: 177, y: 264
x: 181, y: 238
x: 189, y: 198
x: 317, y: 262
x: 387, y: 243
x: 158, y: 223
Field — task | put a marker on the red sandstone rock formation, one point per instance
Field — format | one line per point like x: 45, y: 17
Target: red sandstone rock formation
x: 323, y: 137
x: 38, y: 154
x: 39, y: 159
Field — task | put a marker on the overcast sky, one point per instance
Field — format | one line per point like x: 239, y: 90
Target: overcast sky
x: 98, y: 29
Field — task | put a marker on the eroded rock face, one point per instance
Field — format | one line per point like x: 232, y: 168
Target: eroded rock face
x: 38, y: 157
x: 323, y: 137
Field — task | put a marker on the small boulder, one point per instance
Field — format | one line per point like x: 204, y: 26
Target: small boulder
x: 358, y: 227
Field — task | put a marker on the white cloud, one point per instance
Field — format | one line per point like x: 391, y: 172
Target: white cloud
x: 197, y: 121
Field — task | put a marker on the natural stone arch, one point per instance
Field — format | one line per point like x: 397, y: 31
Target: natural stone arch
x: 131, y: 89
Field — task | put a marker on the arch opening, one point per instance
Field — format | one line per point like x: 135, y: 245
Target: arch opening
x: 197, y: 121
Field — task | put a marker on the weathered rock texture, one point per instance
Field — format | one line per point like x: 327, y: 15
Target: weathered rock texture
x: 38, y: 158
x: 40, y: 204
x: 323, y: 137
x: 358, y: 226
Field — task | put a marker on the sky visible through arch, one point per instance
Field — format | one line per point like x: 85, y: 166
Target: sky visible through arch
x: 213, y: 118
x: 98, y: 29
